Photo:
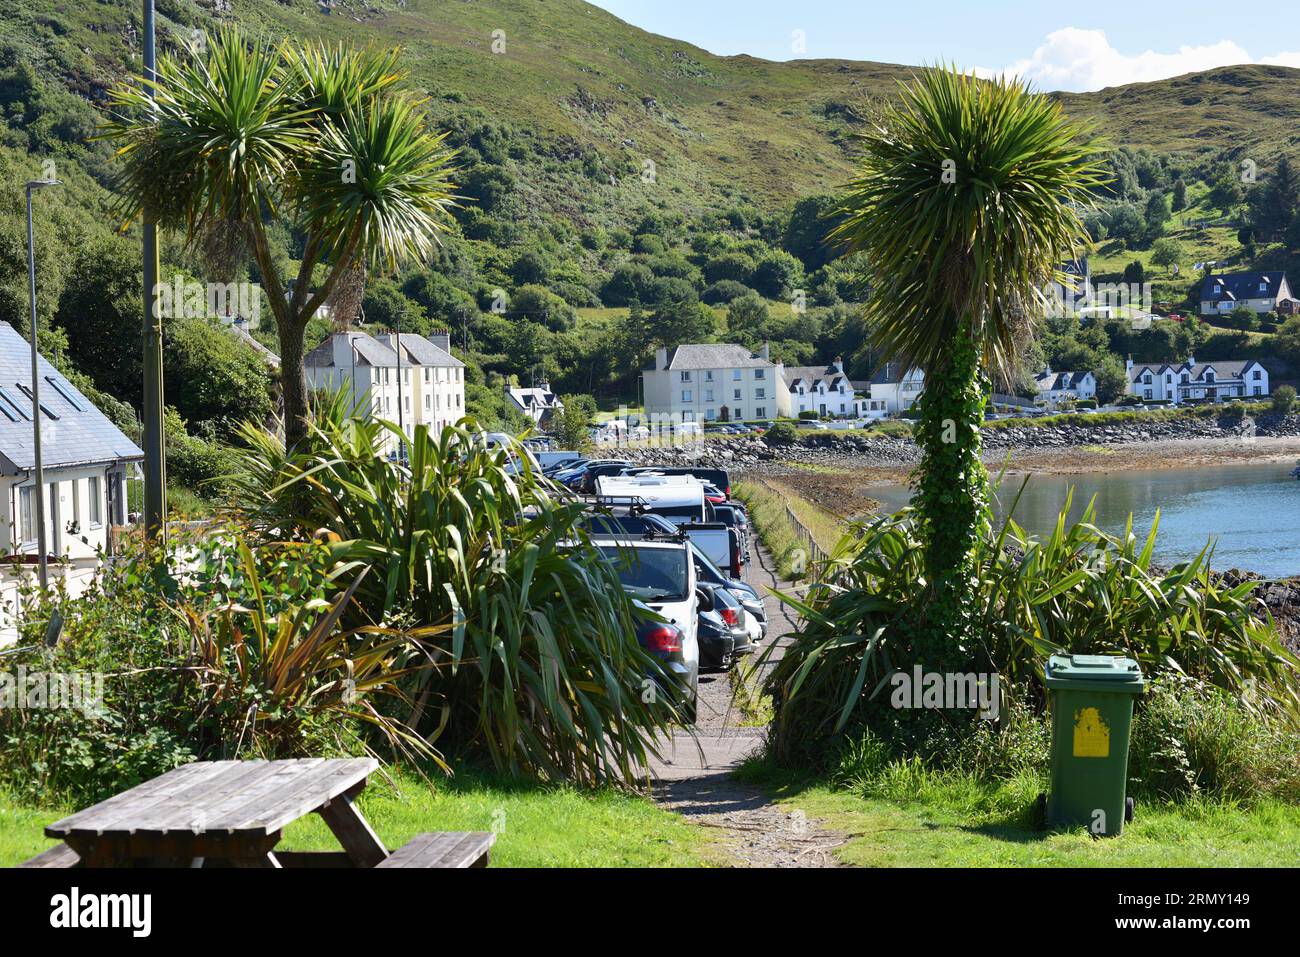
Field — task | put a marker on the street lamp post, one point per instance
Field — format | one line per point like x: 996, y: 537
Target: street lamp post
x: 155, y: 464
x: 39, y: 470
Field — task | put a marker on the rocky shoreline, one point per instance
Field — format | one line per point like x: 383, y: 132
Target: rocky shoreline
x: 886, y: 457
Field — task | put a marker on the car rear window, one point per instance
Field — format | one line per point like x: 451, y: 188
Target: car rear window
x: 651, y: 574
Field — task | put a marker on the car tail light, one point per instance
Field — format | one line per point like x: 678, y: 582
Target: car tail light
x: 730, y: 616
x: 663, y: 638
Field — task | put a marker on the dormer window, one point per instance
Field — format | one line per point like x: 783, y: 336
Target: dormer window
x: 1209, y: 376
x: 1146, y: 379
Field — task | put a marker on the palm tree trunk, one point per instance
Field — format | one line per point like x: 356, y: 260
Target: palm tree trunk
x: 952, y: 492
x: 293, y: 382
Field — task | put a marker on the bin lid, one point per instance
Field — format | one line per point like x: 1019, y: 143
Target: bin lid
x: 1114, y: 672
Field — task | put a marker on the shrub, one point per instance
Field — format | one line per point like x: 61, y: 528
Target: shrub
x: 541, y: 671
x: 724, y: 291
x: 782, y: 433
x: 207, y: 650
x: 1283, y: 399
x: 1077, y: 591
x: 1190, y: 740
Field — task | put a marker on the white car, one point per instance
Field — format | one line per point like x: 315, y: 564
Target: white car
x: 661, y: 574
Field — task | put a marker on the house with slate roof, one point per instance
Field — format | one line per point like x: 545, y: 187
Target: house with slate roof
x: 1056, y: 387
x: 1260, y: 292
x: 824, y: 390
x: 710, y: 382
x: 86, y: 459
x: 1213, y: 381
x: 407, y: 379
x: 537, y: 402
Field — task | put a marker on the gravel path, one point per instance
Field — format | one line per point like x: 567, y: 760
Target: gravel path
x: 695, y: 778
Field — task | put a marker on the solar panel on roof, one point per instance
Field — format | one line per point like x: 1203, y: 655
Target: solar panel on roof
x: 58, y: 387
x: 4, y: 394
x: 44, y: 408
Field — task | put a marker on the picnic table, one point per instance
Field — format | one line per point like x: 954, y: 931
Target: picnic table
x: 232, y: 813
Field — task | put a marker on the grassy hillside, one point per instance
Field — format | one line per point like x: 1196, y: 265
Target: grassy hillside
x: 607, y: 97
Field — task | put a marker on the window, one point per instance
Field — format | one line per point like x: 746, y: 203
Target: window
x: 427, y: 397
x: 1263, y: 287
x: 1186, y: 378
x: 26, y: 515
x: 686, y: 377
x: 686, y: 395
x: 1209, y: 376
x: 1146, y: 393
x: 708, y: 376
x: 736, y: 375
x: 760, y: 393
x: 738, y: 414
x: 710, y: 414
x: 95, y: 497
x: 708, y: 395
x: 1146, y: 379
x: 1256, y: 376
x: 1258, y: 391
x: 801, y: 390
x: 76, y: 503
x: 760, y: 373
x: 761, y: 412
x: 735, y: 393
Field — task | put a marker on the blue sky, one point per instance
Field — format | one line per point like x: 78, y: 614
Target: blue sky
x: 1057, y: 46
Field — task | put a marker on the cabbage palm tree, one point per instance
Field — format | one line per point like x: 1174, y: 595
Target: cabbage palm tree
x: 244, y: 134
x: 968, y: 196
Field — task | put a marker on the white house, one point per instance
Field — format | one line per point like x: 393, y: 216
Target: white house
x: 897, y: 389
x: 537, y: 402
x: 85, y: 459
x: 1222, y: 379
x: 714, y: 382
x: 424, y: 385
x: 1055, y: 387
x: 824, y: 390
x: 1260, y: 292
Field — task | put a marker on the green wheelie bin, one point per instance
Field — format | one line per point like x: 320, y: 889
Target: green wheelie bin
x: 1091, y: 702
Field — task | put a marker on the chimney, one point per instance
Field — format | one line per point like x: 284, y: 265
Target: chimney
x: 342, y: 342
x: 661, y: 358
x: 441, y: 339
x: 765, y: 351
x: 1128, y: 363
x: 839, y: 364
x: 1191, y: 359
x: 544, y: 386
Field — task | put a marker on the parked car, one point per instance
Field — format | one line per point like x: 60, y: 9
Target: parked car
x: 731, y: 514
x: 720, y: 649
x: 709, y: 573
x: 661, y: 574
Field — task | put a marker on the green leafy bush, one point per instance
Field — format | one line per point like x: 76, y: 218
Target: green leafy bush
x: 540, y: 669
x: 1079, y: 590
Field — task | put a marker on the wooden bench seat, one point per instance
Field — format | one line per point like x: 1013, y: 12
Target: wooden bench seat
x: 443, y: 849
x: 60, y: 855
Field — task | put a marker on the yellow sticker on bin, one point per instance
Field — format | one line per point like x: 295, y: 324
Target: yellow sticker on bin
x: 1091, y: 735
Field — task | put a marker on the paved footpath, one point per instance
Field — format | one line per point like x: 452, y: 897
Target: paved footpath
x: 695, y: 780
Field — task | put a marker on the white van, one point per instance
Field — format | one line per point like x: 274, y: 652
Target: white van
x: 513, y: 449
x: 678, y: 498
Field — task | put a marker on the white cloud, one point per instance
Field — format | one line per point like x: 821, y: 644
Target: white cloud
x: 1078, y: 60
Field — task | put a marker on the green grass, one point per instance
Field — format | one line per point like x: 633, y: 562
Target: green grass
x: 771, y: 523
x: 537, y: 827
x: 947, y: 821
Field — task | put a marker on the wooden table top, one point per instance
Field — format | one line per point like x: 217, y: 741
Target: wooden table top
x: 244, y: 798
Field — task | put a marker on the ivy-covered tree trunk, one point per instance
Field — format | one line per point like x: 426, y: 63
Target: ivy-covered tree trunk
x: 952, y: 490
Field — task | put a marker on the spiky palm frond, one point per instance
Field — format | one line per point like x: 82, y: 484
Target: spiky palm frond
x: 967, y: 199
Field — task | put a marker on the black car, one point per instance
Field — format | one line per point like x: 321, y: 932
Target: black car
x: 721, y: 629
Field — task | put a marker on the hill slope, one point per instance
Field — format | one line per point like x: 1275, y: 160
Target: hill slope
x: 594, y: 89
